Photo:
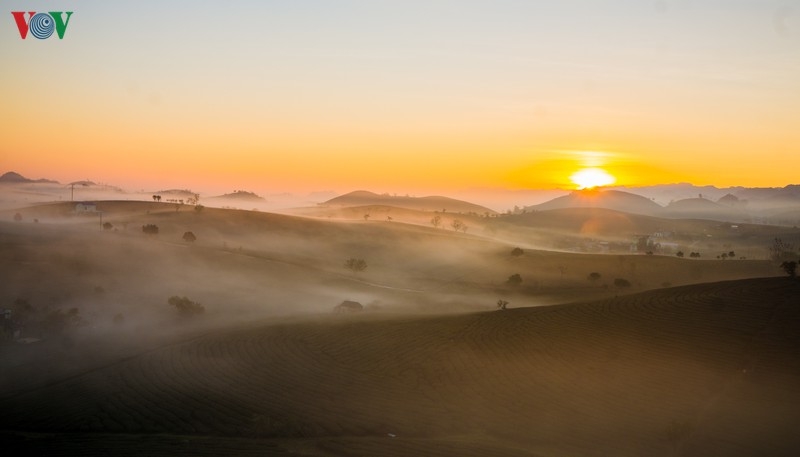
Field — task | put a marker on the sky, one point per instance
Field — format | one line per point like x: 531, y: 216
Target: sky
x: 404, y: 96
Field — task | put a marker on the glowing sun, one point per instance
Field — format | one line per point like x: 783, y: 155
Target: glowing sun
x: 588, y: 178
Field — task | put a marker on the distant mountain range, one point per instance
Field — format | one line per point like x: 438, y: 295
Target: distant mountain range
x: 431, y: 203
x: 763, y: 203
x: 16, y: 178
x: 240, y: 195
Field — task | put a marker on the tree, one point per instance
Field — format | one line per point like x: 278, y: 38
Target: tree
x: 516, y: 252
x: 790, y: 267
x: 679, y: 254
x: 594, y: 276
x: 502, y: 304
x: 189, y: 237
x: 456, y: 224
x: 150, y: 229
x: 436, y: 221
x: 779, y: 250
x: 198, y: 207
x: 514, y: 280
x: 366, y: 217
x: 185, y: 306
x: 107, y: 226
x: 622, y: 283
x: 355, y: 265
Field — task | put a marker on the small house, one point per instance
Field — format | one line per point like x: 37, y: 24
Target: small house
x: 348, y: 306
x: 86, y: 207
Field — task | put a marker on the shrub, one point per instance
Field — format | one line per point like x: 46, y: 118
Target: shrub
x: 189, y: 237
x: 355, y: 265
x: 622, y: 283
x: 185, y: 306
x: 790, y: 267
x: 150, y: 229
x: 514, y: 280
x: 516, y: 252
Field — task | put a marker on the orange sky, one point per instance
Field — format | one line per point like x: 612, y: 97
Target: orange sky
x: 405, y: 96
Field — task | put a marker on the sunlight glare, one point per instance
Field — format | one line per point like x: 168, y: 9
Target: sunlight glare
x: 588, y: 178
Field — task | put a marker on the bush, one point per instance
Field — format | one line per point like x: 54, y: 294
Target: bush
x: 516, y: 252
x: 107, y: 226
x: 514, y: 280
x: 185, y: 306
x: 150, y: 229
x: 622, y: 283
x: 593, y: 276
x: 189, y: 237
x: 356, y: 265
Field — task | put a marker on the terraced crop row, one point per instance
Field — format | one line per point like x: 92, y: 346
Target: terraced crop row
x: 600, y: 378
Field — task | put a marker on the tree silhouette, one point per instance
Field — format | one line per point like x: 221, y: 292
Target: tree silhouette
x: 189, y: 237
x: 622, y: 283
x: 516, y: 252
x: 790, y: 267
x: 107, y: 226
x: 458, y: 224
x: 355, y: 265
x: 502, y: 304
x: 185, y: 306
x: 679, y: 254
x: 150, y: 229
x: 514, y: 280
x: 436, y: 221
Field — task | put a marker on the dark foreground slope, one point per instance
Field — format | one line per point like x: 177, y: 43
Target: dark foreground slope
x: 694, y: 371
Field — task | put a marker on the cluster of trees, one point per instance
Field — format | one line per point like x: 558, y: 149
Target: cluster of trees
x: 25, y: 320
x: 456, y: 224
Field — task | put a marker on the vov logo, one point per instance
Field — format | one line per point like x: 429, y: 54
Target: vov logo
x: 41, y: 25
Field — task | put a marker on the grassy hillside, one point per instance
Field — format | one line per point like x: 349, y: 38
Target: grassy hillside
x: 699, y: 370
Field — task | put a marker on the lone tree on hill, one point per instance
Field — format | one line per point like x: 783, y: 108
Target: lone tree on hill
x: 502, y: 304
x: 355, y: 265
x: 790, y: 267
x: 189, y: 237
x: 516, y: 252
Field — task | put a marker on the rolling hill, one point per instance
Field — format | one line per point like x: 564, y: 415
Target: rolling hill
x: 431, y: 203
x: 608, y: 199
x: 708, y: 369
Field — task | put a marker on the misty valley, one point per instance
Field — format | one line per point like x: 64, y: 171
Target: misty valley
x: 385, y: 325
